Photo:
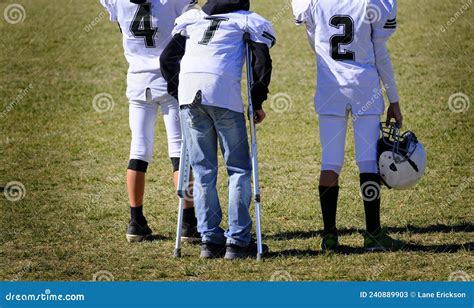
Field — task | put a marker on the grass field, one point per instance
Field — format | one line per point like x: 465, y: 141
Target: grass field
x: 70, y: 221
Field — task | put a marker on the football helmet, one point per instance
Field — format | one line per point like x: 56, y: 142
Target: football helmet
x: 401, y: 157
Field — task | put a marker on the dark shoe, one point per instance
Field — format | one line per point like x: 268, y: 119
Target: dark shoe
x: 330, y: 242
x: 189, y: 231
x: 190, y: 234
x: 238, y: 252
x: 137, y: 233
x: 381, y: 241
x: 212, y: 251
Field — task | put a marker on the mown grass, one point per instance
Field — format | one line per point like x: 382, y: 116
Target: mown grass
x: 71, y: 159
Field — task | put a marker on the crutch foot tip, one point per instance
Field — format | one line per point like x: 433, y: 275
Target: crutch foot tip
x: 177, y: 253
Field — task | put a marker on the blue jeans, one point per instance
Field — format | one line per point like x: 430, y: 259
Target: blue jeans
x: 203, y: 127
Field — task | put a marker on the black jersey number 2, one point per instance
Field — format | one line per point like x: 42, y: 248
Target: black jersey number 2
x: 347, y: 23
x: 141, y: 25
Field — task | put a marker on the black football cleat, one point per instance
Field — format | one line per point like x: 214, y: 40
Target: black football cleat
x: 138, y: 232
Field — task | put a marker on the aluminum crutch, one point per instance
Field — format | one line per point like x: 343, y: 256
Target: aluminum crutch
x: 182, y: 190
x: 253, y: 133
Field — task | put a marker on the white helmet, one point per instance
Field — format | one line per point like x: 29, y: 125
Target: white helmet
x: 401, y: 157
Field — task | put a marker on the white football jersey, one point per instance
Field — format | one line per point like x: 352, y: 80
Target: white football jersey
x: 215, y: 52
x: 146, y: 30
x: 343, y: 34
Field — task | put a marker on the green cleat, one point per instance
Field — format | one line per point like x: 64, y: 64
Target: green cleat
x: 381, y: 241
x: 330, y: 242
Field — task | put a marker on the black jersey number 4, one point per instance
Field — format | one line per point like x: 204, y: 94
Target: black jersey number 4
x: 141, y: 25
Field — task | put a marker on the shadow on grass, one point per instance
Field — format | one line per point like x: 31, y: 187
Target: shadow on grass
x: 463, y: 227
x: 443, y: 248
x: 348, y: 250
x: 157, y: 237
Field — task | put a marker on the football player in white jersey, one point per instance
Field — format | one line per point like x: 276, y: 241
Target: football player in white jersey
x: 207, y: 54
x: 146, y: 27
x: 349, y: 38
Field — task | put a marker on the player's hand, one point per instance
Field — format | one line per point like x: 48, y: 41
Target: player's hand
x: 259, y: 116
x: 394, y: 112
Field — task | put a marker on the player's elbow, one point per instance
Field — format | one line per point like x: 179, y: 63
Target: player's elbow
x: 382, y: 57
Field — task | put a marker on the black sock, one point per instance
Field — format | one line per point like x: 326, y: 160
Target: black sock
x: 371, y: 189
x: 328, y: 198
x: 189, y: 217
x: 137, y: 214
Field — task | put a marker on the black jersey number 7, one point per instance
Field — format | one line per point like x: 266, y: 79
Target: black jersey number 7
x: 347, y: 23
x: 141, y: 25
x: 211, y: 30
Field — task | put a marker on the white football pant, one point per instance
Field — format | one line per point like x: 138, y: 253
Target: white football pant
x: 142, y: 119
x: 333, y: 139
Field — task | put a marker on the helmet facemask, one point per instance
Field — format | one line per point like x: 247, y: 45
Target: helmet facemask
x: 402, y: 145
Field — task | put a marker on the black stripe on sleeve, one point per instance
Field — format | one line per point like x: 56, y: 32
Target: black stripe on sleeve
x: 391, y: 24
x: 269, y: 37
